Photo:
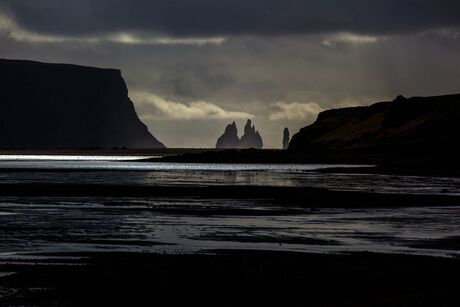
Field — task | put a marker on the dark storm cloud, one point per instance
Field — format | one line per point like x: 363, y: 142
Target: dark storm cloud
x: 279, y: 61
x: 234, y: 17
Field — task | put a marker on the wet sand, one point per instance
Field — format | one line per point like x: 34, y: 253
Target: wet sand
x: 115, y: 230
x: 360, y: 279
x: 306, y: 196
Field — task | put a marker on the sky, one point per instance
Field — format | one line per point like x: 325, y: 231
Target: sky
x: 194, y: 66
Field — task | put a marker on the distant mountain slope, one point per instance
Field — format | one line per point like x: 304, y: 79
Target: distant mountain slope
x: 67, y: 106
x: 418, y: 124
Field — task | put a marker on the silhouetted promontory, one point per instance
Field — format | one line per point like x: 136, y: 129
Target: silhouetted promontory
x: 250, y: 139
x: 67, y: 106
x: 417, y: 125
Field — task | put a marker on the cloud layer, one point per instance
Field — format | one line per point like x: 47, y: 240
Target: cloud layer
x: 9, y: 27
x: 210, y: 62
x: 295, y: 111
x: 200, y: 18
x: 156, y: 107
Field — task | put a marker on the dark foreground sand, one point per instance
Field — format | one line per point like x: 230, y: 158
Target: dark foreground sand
x: 360, y: 279
x: 299, y: 196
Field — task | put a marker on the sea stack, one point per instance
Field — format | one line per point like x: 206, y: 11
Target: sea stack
x: 230, y: 137
x: 67, y: 106
x: 250, y: 139
x: 286, y: 138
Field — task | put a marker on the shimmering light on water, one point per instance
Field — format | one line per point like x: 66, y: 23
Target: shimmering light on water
x: 69, y: 158
x: 48, y: 224
x: 117, y: 163
x: 186, y: 174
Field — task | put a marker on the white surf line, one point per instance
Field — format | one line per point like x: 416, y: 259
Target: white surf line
x: 71, y: 158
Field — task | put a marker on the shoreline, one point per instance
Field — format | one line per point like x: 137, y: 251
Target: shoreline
x: 319, y: 279
x: 398, y: 163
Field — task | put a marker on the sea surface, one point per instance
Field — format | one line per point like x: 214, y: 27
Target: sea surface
x: 34, y: 226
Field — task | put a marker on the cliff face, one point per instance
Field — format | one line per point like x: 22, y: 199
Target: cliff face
x: 67, y: 106
x: 418, y: 124
x: 250, y: 139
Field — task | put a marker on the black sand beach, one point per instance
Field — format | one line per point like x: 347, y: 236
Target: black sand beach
x: 299, y: 196
x: 361, y: 279
x: 93, y: 242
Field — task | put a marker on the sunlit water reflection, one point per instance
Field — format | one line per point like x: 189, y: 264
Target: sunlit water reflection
x: 42, y: 225
x: 149, y: 174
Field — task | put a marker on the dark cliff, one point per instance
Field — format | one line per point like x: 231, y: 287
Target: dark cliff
x: 67, y: 106
x: 417, y: 125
